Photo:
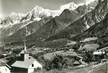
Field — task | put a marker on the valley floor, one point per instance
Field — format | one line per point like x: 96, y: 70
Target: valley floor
x: 99, y: 68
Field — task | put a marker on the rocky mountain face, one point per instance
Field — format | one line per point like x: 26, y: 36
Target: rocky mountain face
x: 39, y: 27
x: 99, y: 30
x: 84, y: 22
x: 7, y: 23
x: 31, y: 27
x: 13, y: 18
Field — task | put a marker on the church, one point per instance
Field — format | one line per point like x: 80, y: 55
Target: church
x: 26, y: 63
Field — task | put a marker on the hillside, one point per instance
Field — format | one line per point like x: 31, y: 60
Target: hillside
x: 39, y: 31
x: 84, y: 22
x: 100, y: 30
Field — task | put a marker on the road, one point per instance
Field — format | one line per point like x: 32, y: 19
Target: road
x: 99, y: 68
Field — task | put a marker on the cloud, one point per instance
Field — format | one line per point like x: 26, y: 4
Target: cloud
x: 1, y: 14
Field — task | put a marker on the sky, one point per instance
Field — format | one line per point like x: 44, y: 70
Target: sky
x: 23, y: 6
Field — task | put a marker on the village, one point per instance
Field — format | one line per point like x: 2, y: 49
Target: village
x: 45, y: 59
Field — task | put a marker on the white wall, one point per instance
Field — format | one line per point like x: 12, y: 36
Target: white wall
x: 36, y: 65
x: 4, y: 69
x: 30, y: 70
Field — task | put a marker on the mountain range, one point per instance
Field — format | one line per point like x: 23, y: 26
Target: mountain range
x: 47, y: 28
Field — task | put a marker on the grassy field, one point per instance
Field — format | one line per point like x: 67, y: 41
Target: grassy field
x: 100, y: 68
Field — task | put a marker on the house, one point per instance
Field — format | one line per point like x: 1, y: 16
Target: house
x: 71, y: 43
x: 26, y: 63
x: 99, y: 54
x: 89, y: 39
x: 4, y: 68
x: 88, y: 47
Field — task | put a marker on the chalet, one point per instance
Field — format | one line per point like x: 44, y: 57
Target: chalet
x: 89, y: 47
x: 71, y: 43
x: 99, y: 54
x: 89, y: 39
x: 26, y: 64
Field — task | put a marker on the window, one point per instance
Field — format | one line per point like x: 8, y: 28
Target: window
x: 29, y: 57
x: 32, y: 65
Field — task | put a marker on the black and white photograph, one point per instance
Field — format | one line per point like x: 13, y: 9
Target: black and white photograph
x: 53, y: 36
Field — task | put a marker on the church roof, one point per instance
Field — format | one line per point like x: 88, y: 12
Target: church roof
x: 24, y: 64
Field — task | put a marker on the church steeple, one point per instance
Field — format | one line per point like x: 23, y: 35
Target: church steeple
x: 25, y: 48
x: 24, y: 53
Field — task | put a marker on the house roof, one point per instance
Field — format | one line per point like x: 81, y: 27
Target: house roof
x: 23, y: 64
x: 89, y: 39
x: 71, y: 43
x: 90, y: 47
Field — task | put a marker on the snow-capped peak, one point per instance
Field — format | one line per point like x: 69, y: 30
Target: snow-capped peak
x: 16, y: 17
x: 70, y: 6
x: 17, y: 14
x: 90, y: 1
x: 38, y: 8
x: 39, y: 12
